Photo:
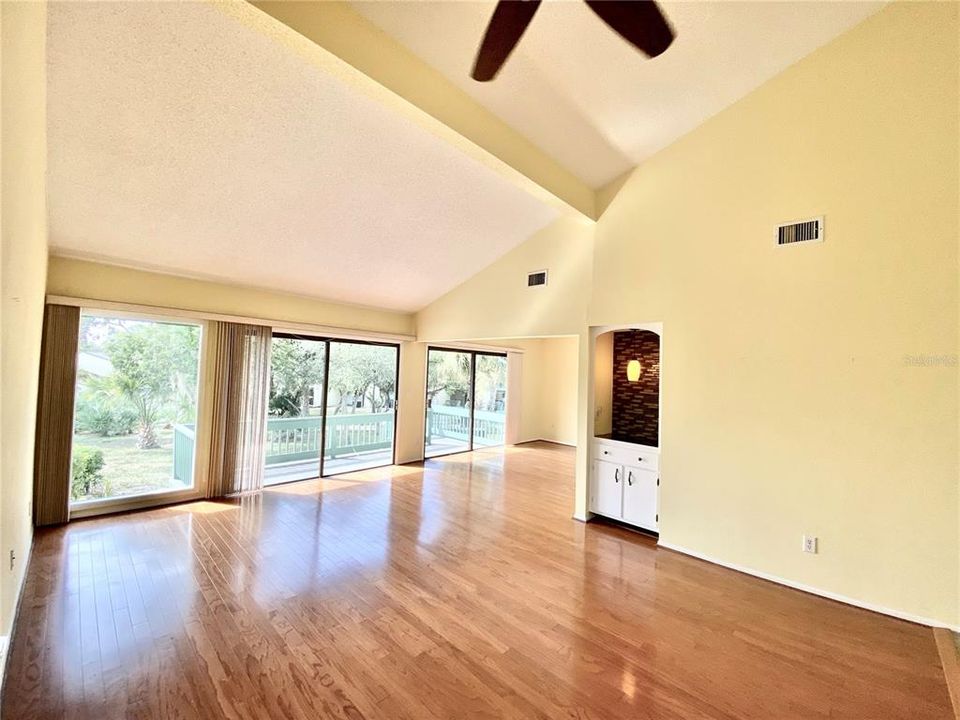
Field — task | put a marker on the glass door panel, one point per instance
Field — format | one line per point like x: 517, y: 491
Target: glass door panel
x: 135, y: 416
x: 489, y: 400
x: 361, y: 406
x: 295, y: 409
x: 449, y: 382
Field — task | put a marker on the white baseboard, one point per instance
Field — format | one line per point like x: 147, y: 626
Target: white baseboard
x: 899, y: 614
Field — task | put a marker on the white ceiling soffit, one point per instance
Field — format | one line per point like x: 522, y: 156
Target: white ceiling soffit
x: 588, y: 98
x: 182, y: 140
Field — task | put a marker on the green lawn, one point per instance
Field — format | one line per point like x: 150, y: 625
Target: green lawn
x: 128, y: 470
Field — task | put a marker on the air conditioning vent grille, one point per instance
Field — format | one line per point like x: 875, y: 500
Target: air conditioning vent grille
x: 537, y: 278
x: 802, y: 231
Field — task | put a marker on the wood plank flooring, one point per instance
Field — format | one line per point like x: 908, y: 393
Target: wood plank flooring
x: 462, y: 589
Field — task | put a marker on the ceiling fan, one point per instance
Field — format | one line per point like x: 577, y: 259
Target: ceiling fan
x: 639, y: 22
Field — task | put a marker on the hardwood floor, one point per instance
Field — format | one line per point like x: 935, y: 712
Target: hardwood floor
x: 458, y: 590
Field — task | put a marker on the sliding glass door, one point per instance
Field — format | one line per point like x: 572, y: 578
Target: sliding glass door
x: 361, y: 406
x: 339, y: 395
x: 449, y: 383
x: 295, y: 408
x: 466, y: 401
x: 489, y: 400
x: 135, y: 414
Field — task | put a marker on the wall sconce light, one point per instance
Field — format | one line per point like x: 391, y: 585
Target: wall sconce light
x: 633, y: 370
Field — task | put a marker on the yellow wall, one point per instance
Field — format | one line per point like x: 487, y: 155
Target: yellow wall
x: 603, y: 384
x: 548, y: 387
x: 496, y: 302
x: 791, y: 399
x: 550, y: 379
x: 24, y: 260
x: 411, y: 398
x: 82, y: 279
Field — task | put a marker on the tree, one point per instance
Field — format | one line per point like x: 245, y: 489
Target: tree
x: 155, y: 370
x: 295, y: 367
x: 449, y: 372
x: 363, y: 371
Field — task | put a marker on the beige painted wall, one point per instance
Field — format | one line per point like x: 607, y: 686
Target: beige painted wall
x: 83, y: 279
x: 550, y: 380
x: 603, y: 384
x: 548, y: 387
x: 411, y: 398
x: 24, y: 260
x: 793, y: 397
x: 496, y: 302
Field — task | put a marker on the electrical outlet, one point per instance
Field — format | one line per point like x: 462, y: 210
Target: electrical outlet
x: 809, y: 544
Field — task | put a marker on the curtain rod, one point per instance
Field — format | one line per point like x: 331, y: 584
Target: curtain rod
x: 310, y: 328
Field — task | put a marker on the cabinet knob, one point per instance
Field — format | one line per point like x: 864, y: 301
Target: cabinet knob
x: 606, y: 452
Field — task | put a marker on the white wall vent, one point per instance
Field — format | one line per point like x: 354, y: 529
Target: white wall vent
x: 801, y: 231
x: 537, y: 278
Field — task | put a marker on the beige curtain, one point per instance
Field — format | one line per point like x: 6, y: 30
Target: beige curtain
x: 240, y: 391
x: 58, y: 376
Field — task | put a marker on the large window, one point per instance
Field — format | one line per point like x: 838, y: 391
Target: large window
x: 336, y: 394
x: 466, y: 401
x: 136, y: 407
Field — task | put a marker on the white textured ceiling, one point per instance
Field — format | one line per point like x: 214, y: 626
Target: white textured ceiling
x: 588, y: 98
x: 182, y: 140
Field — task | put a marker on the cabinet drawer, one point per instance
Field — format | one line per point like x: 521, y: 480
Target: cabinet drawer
x: 626, y: 455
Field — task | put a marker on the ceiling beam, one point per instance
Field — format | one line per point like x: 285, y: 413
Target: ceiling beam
x: 427, y: 96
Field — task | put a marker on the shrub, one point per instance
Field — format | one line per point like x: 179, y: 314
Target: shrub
x: 105, y: 419
x: 87, y: 478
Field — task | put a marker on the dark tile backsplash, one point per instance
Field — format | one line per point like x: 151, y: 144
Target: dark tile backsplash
x: 636, y: 405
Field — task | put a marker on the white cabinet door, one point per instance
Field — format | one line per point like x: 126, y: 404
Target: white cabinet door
x: 607, y: 495
x: 640, y: 497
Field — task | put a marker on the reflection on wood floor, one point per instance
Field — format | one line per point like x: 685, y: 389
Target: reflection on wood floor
x: 461, y: 589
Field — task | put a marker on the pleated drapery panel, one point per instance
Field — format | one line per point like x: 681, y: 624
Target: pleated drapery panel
x: 240, y: 392
x: 54, y: 439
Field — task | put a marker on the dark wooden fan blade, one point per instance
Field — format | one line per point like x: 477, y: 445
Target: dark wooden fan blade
x: 639, y: 22
x: 510, y: 19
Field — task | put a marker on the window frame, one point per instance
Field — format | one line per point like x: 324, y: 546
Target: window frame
x: 100, y: 506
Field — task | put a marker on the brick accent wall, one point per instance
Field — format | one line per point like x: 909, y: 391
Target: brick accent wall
x: 636, y: 405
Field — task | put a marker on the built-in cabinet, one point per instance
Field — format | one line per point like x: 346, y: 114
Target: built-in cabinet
x: 625, y: 482
x: 625, y: 421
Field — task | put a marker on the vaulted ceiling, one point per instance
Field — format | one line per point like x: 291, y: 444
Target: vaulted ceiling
x: 588, y: 98
x: 303, y: 149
